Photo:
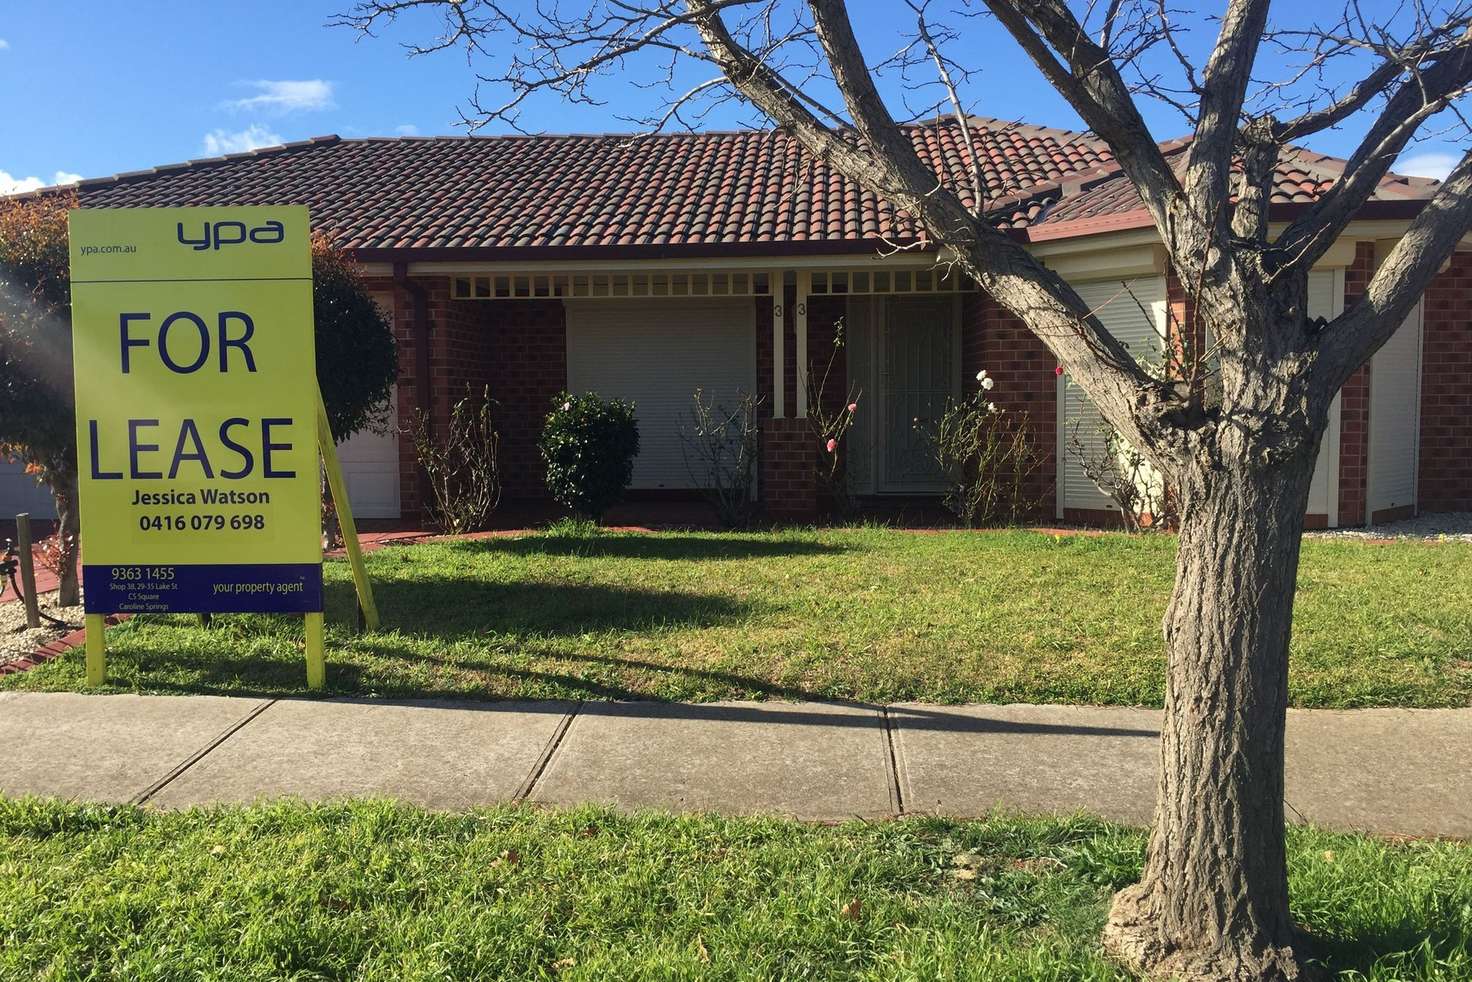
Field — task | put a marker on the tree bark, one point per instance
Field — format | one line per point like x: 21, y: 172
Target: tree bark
x: 1213, y: 900
x: 69, y: 539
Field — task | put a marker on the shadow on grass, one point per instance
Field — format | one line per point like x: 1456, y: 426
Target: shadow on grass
x: 638, y: 546
x: 1411, y: 943
x: 454, y: 609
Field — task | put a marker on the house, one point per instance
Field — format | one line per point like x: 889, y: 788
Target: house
x: 646, y: 267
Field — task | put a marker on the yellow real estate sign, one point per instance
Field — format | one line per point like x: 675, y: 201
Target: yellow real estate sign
x: 197, y: 420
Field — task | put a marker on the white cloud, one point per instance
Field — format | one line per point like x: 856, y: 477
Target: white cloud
x: 1433, y: 164
x: 218, y: 142
x: 20, y: 185
x: 285, y: 96
x: 4, y: 45
x: 407, y: 129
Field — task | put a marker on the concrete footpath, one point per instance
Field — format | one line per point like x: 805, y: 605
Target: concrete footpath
x: 1390, y: 771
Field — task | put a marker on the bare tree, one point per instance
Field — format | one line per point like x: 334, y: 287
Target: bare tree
x: 1213, y: 901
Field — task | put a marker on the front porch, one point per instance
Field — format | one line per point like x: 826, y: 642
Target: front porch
x: 900, y: 335
x: 804, y: 340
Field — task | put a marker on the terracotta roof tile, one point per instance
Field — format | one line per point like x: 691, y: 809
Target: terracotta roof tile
x: 1300, y: 178
x: 700, y: 192
x: 669, y: 190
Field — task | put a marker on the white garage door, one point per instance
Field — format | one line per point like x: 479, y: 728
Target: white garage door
x: 656, y: 354
x: 1395, y: 417
x: 19, y: 492
x: 1140, y: 330
x: 1326, y: 299
x: 370, y: 467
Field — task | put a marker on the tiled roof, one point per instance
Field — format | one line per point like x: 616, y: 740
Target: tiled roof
x: 675, y: 191
x: 753, y: 191
x: 1301, y: 178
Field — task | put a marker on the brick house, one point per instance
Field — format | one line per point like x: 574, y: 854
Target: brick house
x: 647, y: 267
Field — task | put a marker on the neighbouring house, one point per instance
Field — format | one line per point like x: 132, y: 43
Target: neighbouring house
x: 645, y: 267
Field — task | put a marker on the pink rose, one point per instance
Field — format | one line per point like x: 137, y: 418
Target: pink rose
x: 1058, y: 370
x: 853, y: 407
x: 832, y: 445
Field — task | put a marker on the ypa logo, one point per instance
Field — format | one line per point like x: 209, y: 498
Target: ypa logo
x: 217, y: 234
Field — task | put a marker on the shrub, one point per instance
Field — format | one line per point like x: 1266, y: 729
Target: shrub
x: 829, y: 427
x: 1124, y: 475
x: 357, y: 358
x: 463, y: 467
x: 589, y: 446
x: 987, y: 457
x: 721, y: 448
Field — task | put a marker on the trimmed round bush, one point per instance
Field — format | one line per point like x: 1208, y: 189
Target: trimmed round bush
x: 589, y: 445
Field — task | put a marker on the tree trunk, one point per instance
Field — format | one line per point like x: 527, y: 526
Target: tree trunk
x: 69, y: 539
x: 1213, y: 900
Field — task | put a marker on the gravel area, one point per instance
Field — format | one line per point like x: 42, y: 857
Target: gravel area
x: 16, y: 641
x: 1449, y: 525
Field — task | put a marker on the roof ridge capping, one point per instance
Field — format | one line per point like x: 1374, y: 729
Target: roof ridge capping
x: 1331, y: 168
x: 1058, y: 133
x: 197, y: 163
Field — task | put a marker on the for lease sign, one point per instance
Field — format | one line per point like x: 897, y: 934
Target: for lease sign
x: 196, y: 401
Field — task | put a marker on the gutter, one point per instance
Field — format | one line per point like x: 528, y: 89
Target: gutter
x: 423, y: 390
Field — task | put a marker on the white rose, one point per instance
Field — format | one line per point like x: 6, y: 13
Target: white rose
x: 987, y: 384
x: 981, y: 375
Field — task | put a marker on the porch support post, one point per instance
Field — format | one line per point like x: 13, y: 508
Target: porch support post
x: 800, y: 331
x: 779, y: 352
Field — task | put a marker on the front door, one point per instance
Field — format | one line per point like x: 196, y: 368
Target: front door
x: 918, y: 375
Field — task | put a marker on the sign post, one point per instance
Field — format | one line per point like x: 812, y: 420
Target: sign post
x: 197, y: 416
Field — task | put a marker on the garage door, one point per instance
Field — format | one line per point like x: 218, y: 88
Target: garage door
x: 1137, y: 318
x: 1326, y: 299
x: 656, y: 354
x: 1395, y: 418
x: 370, y: 468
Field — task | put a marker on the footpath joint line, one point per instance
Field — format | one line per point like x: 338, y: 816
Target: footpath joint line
x: 525, y: 789
x: 891, y: 763
x: 203, y: 752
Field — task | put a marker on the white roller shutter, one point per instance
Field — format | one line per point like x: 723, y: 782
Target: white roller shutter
x: 1134, y: 311
x: 656, y: 354
x: 1326, y: 299
x: 370, y: 460
x: 370, y: 468
x: 1395, y: 418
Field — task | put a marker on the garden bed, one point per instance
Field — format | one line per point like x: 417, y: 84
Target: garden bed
x: 18, y: 641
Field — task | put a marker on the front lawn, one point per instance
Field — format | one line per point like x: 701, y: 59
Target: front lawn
x: 869, y: 614
x: 372, y: 890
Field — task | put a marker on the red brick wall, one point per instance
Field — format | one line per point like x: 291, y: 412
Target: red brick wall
x: 518, y: 348
x: 407, y: 395
x: 788, y: 480
x: 1445, y: 478
x: 764, y: 354
x: 528, y: 352
x: 993, y: 339
x: 1354, y: 406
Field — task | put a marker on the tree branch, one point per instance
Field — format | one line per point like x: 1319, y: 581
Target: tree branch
x: 1224, y: 81
x: 1350, y: 339
x: 1126, y: 395
x: 1421, y: 96
x: 1087, y: 77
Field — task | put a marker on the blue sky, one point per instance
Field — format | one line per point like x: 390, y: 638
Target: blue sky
x: 98, y: 88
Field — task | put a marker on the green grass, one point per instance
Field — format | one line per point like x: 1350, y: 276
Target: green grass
x: 869, y: 614
x: 373, y: 890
